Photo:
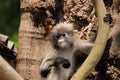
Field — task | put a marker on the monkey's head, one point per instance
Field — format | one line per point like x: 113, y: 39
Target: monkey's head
x: 62, y: 36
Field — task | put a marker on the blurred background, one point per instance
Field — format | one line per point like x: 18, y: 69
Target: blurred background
x: 9, y: 19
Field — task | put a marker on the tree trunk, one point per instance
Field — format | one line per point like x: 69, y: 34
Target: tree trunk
x: 31, y: 44
x: 37, y: 17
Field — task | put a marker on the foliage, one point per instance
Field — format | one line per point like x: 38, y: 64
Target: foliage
x: 9, y: 18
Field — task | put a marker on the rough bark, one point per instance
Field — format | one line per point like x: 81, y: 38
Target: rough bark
x: 37, y: 17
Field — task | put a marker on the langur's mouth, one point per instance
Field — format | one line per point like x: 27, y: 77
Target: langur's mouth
x: 61, y: 40
x: 62, y: 44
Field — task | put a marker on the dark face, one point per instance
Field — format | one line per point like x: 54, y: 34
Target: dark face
x: 62, y: 40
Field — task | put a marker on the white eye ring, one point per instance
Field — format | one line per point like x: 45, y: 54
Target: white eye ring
x: 64, y: 35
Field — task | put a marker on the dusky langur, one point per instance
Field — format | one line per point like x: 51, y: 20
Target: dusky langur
x: 66, y: 48
x: 69, y: 52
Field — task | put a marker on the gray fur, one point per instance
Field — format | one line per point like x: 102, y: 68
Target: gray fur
x: 72, y: 44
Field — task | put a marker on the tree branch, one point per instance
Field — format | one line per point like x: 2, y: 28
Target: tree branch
x: 7, y: 72
x: 59, y: 5
x: 99, y: 46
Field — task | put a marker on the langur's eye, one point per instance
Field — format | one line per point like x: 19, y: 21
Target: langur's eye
x: 61, y: 35
x: 64, y: 34
x: 57, y: 37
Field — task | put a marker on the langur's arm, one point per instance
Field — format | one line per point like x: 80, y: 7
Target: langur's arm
x: 47, y: 61
x: 84, y: 46
x: 52, y: 60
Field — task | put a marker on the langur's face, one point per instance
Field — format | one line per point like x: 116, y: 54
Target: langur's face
x: 62, y: 36
x: 62, y: 40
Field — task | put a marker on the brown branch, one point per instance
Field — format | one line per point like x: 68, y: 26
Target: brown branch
x: 7, y: 72
x: 59, y: 5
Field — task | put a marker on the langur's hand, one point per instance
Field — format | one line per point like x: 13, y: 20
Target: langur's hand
x: 45, y: 68
x: 60, y: 60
